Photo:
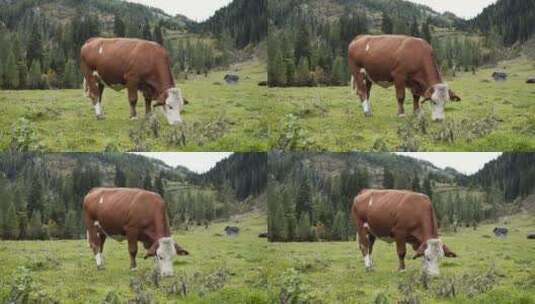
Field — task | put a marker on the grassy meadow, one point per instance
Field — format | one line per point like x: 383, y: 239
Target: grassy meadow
x: 492, y: 117
x: 219, y: 117
x: 248, y: 269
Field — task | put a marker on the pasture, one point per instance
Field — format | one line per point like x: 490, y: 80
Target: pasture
x: 248, y: 269
x: 492, y: 117
x: 219, y: 269
x: 219, y: 117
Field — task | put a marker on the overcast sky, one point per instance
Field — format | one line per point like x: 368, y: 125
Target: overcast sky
x: 198, y: 162
x: 463, y: 162
x: 198, y: 10
x: 462, y: 8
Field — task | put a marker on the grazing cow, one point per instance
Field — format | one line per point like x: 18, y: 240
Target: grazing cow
x: 402, y: 61
x: 531, y: 236
x: 136, y: 214
x: 232, y: 79
x: 500, y: 232
x: 401, y: 217
x: 499, y: 76
x: 135, y: 64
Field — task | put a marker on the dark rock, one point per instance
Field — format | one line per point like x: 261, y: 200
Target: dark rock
x: 263, y: 235
x: 531, y: 80
x: 531, y: 236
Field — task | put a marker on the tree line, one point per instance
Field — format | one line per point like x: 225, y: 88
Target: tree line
x: 42, y: 195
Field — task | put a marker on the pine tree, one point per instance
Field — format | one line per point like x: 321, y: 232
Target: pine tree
x: 339, y: 75
x: 146, y: 31
x: 339, y: 227
x: 35, y: 76
x: 302, y: 75
x: 70, y: 229
x: 35, y: 47
x: 388, y: 179
x: 118, y: 26
x: 427, y: 187
x: 158, y: 185
x: 120, y: 177
x: 415, y: 29
x: 158, y: 36
x: 11, y: 223
x: 70, y: 76
x: 35, y: 227
x: 388, y: 25
x: 11, y: 74
x: 303, y: 228
x: 23, y: 74
x: 426, y: 29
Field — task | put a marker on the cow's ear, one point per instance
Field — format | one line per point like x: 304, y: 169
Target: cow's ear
x: 180, y: 251
x: 454, y: 97
x: 428, y: 94
x: 151, y: 251
x: 420, y: 251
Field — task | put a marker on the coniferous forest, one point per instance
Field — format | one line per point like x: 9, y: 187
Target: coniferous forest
x: 41, y: 39
x: 42, y: 194
x: 308, y: 41
x: 310, y: 195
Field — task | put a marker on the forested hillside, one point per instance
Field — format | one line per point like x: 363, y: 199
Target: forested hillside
x: 310, y: 195
x: 42, y: 194
x: 511, y: 21
x: 41, y: 39
x: 309, y: 39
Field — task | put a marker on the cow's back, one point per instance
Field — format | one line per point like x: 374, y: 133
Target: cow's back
x: 384, y: 209
x: 115, y: 208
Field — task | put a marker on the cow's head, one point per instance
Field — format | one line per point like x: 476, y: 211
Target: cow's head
x: 439, y: 95
x: 432, y: 251
x: 164, y: 250
x: 172, y: 103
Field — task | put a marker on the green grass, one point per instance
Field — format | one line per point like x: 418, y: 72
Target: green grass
x: 491, y: 117
x: 248, y: 269
x: 73, y: 277
x: 219, y: 117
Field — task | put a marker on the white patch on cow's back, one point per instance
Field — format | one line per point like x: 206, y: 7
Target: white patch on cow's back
x: 371, y: 202
x: 101, y: 50
x: 367, y: 47
x: 101, y: 200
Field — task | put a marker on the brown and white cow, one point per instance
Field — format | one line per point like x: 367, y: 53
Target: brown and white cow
x: 136, y: 214
x: 135, y: 64
x: 401, y: 61
x: 401, y: 217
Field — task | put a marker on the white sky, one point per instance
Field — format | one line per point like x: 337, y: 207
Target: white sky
x: 198, y: 10
x: 464, y: 162
x: 199, y: 162
x: 462, y: 8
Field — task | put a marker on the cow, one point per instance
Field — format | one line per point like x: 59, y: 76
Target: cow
x: 135, y: 214
x: 136, y: 64
x: 401, y: 61
x: 500, y: 232
x: 232, y: 231
x: 402, y: 217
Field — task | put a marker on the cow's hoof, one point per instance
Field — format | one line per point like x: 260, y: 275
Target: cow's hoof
x: 402, y: 270
x: 134, y: 118
x: 401, y: 115
x: 133, y: 269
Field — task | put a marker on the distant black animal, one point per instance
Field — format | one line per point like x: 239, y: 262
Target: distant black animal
x: 263, y: 235
x: 531, y: 80
x: 531, y: 235
x: 263, y: 83
x: 500, y: 232
x: 499, y: 76
x: 232, y: 230
x: 232, y: 79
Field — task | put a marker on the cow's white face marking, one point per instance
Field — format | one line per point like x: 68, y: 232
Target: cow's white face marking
x: 173, y: 106
x: 164, y: 256
x: 101, y: 50
x: 368, y: 261
x: 98, y: 259
x: 439, y: 98
x: 432, y: 255
x: 367, y: 47
x: 366, y: 106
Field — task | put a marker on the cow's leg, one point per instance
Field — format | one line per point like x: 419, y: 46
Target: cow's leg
x: 416, y: 104
x: 402, y: 251
x: 148, y: 103
x: 94, y: 240
x: 99, y: 111
x: 399, y: 82
x: 359, y: 81
x: 132, y: 249
x: 364, y: 245
x: 132, y: 98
